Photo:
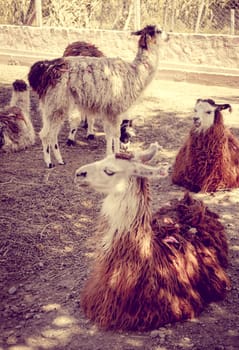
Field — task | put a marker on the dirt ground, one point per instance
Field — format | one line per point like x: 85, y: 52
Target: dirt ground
x: 47, y: 237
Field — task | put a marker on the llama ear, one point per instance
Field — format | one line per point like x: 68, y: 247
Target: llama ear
x: 143, y: 41
x: 224, y: 106
x: 138, y: 32
x: 143, y: 170
x: 145, y: 156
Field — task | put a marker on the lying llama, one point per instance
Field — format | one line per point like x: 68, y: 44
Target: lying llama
x: 16, y: 129
x: 209, y: 159
x: 151, y: 269
x: 99, y: 86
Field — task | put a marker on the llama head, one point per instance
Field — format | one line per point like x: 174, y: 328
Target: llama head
x: 19, y: 85
x: 207, y: 113
x: 112, y: 173
x: 46, y: 73
x: 149, y: 36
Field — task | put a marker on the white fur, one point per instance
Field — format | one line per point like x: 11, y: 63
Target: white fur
x: 204, y: 115
x: 117, y: 179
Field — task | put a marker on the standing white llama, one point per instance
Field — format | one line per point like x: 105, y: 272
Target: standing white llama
x: 99, y: 86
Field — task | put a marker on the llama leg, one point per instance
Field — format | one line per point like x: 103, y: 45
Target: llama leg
x: 115, y: 132
x: 45, y: 139
x: 108, y: 137
x: 90, y: 128
x: 74, y: 123
x: 84, y: 122
x: 116, y: 144
x: 54, y: 142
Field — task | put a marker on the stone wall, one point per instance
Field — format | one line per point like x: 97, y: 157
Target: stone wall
x: 220, y: 51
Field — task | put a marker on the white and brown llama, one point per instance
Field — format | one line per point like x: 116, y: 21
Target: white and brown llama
x: 209, y: 159
x: 82, y: 48
x: 16, y: 129
x: 151, y: 269
x: 100, y: 86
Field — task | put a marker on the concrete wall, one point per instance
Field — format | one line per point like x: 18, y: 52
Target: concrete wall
x: 182, y: 49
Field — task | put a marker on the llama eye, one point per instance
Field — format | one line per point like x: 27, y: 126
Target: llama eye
x: 109, y: 172
x: 209, y: 112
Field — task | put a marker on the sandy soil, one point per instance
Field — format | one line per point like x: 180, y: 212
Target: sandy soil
x: 47, y: 238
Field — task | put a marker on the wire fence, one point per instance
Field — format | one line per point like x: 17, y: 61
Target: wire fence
x: 189, y: 16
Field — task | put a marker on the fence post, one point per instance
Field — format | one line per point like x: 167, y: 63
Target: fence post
x: 199, y: 17
x: 137, y: 18
x: 232, y: 21
x: 38, y: 7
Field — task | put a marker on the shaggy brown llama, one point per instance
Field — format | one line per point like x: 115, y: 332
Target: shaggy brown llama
x: 209, y: 159
x: 151, y: 269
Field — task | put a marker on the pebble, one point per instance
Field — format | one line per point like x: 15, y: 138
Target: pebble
x: 12, y: 290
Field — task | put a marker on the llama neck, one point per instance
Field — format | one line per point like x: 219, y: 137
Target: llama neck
x: 210, y: 140
x: 146, y: 62
x: 21, y: 100
x: 126, y: 211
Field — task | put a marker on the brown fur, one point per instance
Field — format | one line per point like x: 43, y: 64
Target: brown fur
x: 19, y: 85
x: 9, y: 120
x: 81, y: 48
x: 45, y: 74
x: 165, y: 269
x: 208, y: 161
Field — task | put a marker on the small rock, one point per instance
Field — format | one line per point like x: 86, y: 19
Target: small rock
x: 28, y: 315
x: 11, y: 340
x: 12, y: 290
x: 155, y: 333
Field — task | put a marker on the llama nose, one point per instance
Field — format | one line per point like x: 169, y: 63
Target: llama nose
x: 82, y: 174
x: 195, y: 119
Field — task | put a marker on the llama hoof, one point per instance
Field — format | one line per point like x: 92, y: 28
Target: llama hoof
x: 90, y: 137
x: 62, y: 163
x: 70, y: 142
x: 51, y: 165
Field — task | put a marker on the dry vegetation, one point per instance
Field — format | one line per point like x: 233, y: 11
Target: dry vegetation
x: 48, y: 240
x: 175, y: 15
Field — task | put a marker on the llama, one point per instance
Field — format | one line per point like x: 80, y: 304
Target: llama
x: 151, y: 269
x: 16, y: 129
x: 99, y: 86
x: 209, y: 159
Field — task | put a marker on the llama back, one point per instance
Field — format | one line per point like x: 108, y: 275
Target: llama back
x: 81, y: 48
x: 102, y: 85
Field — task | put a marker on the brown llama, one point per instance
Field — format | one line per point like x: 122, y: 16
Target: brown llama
x: 151, y: 269
x: 209, y: 159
